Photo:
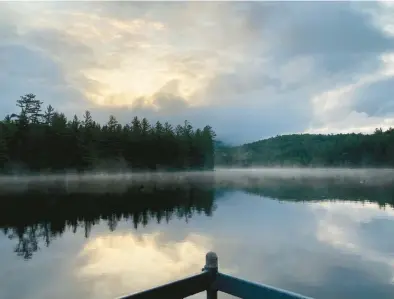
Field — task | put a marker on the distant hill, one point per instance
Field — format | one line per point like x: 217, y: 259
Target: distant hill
x: 313, y: 150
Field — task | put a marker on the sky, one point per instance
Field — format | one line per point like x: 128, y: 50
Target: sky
x: 251, y: 70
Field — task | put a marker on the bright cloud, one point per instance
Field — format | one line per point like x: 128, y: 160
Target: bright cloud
x: 250, y: 69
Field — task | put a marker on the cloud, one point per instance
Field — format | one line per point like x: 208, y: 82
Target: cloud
x: 33, y: 73
x: 250, y: 70
x: 337, y: 38
x: 376, y: 92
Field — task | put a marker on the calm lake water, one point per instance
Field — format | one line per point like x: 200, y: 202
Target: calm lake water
x: 325, y: 238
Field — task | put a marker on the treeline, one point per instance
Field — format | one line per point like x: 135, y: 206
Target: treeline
x: 38, y: 140
x: 335, y: 150
x: 35, y: 218
x: 324, y: 189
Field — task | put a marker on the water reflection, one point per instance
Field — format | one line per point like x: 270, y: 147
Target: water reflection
x: 34, y: 218
x: 121, y: 263
x: 329, y: 189
x: 286, y: 245
x: 317, y: 239
x: 366, y: 233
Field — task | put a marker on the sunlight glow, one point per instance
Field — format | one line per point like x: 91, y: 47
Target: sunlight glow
x: 115, y: 62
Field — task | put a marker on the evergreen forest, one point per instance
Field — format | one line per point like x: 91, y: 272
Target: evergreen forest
x: 38, y: 140
x: 44, y: 140
x: 312, y: 150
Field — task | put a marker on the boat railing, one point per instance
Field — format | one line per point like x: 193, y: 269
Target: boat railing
x: 212, y: 281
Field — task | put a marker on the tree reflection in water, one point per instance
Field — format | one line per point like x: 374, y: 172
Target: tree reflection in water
x: 41, y: 213
x: 38, y: 216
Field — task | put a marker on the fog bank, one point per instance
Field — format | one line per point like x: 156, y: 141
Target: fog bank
x: 220, y: 178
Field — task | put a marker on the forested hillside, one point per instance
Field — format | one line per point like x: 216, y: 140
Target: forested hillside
x: 340, y: 150
x: 36, y: 140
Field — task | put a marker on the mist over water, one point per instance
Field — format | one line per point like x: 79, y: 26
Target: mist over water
x: 220, y: 177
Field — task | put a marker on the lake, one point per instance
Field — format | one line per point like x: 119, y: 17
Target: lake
x: 325, y: 234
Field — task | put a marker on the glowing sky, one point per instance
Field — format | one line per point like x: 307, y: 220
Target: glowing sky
x: 251, y: 70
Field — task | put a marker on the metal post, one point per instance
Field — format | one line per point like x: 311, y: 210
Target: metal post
x: 211, y: 265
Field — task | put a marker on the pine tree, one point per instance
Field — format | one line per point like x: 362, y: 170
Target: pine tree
x: 50, y: 141
x: 48, y: 114
x: 31, y: 107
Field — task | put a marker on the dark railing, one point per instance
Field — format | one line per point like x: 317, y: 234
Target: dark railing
x: 212, y: 281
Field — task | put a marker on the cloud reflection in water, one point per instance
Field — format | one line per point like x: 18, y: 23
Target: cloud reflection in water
x: 125, y: 263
